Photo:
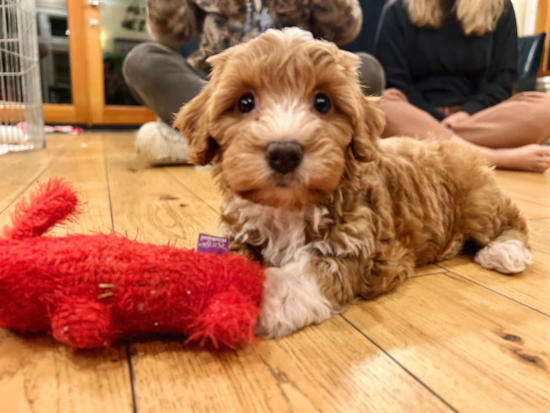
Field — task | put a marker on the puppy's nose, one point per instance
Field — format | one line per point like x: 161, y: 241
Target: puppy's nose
x: 284, y: 157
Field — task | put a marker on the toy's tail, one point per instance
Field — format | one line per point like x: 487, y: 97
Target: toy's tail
x: 50, y: 204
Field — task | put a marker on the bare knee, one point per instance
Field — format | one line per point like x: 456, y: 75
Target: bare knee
x: 537, y: 105
x: 393, y: 95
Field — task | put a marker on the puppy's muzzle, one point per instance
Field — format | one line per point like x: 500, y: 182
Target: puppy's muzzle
x: 284, y: 156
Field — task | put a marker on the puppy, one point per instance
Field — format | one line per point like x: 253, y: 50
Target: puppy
x: 311, y: 191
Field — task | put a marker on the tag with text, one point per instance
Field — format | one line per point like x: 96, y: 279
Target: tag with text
x: 211, y: 244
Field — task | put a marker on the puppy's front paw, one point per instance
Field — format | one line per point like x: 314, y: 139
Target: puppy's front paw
x: 291, y: 301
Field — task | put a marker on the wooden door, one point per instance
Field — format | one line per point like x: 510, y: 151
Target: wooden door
x: 82, y: 45
x: 113, y: 28
x: 64, y: 81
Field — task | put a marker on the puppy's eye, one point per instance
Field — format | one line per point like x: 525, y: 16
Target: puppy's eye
x: 321, y: 103
x: 246, y: 103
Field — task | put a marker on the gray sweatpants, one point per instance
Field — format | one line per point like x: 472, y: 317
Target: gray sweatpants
x: 163, y: 81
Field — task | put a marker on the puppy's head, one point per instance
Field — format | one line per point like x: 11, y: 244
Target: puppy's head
x: 281, y: 116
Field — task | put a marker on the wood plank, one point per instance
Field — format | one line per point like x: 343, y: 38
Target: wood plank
x: 428, y: 270
x: 19, y: 170
x: 531, y: 210
x: 539, y: 234
x: 476, y: 349
x: 200, y: 182
x: 151, y: 202
x: 525, y: 186
x: 39, y: 375
x: 532, y: 287
x: 326, y: 368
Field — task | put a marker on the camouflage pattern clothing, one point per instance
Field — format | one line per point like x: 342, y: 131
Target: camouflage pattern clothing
x: 224, y: 23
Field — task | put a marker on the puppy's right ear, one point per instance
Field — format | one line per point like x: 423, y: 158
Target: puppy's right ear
x: 193, y: 121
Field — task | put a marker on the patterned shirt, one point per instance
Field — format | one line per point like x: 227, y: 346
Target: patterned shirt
x: 224, y: 23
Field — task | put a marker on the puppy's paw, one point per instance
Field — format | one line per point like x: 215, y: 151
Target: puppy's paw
x: 291, y: 301
x: 507, y: 257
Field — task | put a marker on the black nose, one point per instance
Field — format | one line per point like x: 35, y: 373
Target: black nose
x: 284, y: 157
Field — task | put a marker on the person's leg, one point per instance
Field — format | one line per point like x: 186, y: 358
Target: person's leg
x: 404, y: 119
x: 161, y: 79
x: 518, y: 121
x: 371, y: 75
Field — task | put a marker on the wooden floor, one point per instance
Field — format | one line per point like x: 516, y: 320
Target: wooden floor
x: 454, y: 338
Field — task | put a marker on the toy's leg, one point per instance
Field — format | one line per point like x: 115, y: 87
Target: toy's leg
x: 228, y: 318
x: 82, y: 323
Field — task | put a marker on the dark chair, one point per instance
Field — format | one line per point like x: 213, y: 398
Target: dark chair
x: 530, y: 54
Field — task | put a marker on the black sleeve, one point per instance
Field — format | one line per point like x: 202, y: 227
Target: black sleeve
x: 498, y: 82
x: 395, y: 33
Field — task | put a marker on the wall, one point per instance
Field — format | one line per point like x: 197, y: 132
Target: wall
x: 520, y: 8
x: 526, y: 16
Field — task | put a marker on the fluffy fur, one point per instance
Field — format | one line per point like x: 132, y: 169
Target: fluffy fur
x: 477, y: 16
x: 358, y: 214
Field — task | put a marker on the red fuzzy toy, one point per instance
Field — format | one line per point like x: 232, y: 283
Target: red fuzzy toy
x: 90, y: 290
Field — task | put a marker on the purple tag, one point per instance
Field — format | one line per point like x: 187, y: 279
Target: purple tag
x: 211, y: 244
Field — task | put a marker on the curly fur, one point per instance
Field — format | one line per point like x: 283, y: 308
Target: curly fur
x: 358, y: 214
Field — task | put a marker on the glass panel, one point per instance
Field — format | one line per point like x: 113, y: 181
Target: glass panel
x: 53, y: 49
x: 122, y: 28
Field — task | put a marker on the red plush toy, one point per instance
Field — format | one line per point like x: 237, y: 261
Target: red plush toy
x: 90, y: 290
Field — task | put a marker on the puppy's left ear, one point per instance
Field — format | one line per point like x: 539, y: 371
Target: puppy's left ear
x: 368, y: 125
x: 368, y: 119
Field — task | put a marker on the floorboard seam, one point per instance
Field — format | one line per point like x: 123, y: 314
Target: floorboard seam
x: 127, y: 343
x: 400, y: 365
x: 497, y: 292
x: 190, y: 190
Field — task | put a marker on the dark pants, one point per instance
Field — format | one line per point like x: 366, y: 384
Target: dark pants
x: 163, y: 80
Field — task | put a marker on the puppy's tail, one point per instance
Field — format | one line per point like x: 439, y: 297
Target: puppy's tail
x: 49, y: 205
x: 509, y: 252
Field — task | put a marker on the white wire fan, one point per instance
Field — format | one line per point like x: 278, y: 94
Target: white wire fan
x: 21, y: 119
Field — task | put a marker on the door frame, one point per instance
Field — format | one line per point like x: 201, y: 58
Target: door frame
x: 543, y: 26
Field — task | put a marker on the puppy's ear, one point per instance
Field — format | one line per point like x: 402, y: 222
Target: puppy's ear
x: 368, y: 120
x: 193, y: 121
x: 368, y: 125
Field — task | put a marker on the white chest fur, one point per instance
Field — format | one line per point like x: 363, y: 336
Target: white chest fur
x: 281, y: 231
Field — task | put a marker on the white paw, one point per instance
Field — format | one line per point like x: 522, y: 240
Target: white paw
x: 507, y: 257
x: 292, y: 300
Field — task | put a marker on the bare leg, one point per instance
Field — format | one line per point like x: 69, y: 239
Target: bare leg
x: 531, y: 158
x: 404, y: 119
x: 519, y: 121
